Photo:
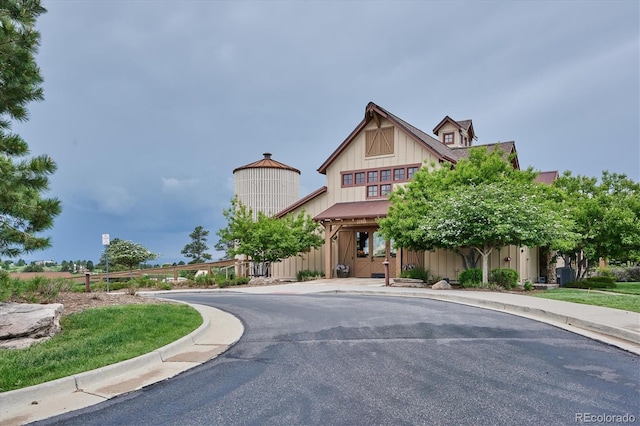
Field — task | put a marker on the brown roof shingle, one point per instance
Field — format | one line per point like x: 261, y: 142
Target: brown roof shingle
x: 355, y: 210
x: 266, y: 163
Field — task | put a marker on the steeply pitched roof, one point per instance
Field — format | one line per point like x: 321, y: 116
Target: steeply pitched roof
x: 466, y: 125
x: 507, y: 148
x: 374, y: 112
x: 266, y: 163
x: 547, y: 177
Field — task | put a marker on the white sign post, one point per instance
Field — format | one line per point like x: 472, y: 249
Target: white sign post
x: 105, y: 243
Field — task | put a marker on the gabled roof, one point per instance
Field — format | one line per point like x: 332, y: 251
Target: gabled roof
x: 355, y: 210
x: 547, y: 177
x: 466, y: 125
x: 374, y: 112
x: 266, y: 163
x: 507, y: 148
x: 301, y: 202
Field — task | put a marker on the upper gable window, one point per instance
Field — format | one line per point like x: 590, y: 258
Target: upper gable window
x: 447, y: 138
x: 379, y: 142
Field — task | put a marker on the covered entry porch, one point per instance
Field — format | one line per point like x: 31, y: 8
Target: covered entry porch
x: 352, y: 239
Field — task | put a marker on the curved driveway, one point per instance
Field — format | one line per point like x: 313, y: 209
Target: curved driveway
x: 351, y: 360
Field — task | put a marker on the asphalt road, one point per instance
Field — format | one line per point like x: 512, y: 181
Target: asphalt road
x: 353, y: 360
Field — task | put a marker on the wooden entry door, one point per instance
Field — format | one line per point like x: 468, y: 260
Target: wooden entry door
x: 371, y: 251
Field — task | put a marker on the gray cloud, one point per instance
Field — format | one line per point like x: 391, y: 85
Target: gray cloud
x: 149, y: 106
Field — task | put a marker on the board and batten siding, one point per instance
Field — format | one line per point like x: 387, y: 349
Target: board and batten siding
x: 443, y: 263
x: 314, y: 260
x: 406, y: 151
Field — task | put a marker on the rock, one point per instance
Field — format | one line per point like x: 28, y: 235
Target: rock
x: 441, y: 285
x: 23, y: 324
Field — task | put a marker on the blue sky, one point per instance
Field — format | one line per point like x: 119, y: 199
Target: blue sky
x: 150, y: 105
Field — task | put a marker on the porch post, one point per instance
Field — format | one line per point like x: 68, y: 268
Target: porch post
x: 328, y: 250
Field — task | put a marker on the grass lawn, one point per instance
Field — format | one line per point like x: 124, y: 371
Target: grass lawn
x: 625, y: 288
x: 95, y: 338
x: 628, y: 298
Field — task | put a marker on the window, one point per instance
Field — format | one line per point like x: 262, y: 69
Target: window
x: 382, y: 178
x: 362, y: 244
x: 447, y: 138
x: 411, y: 171
x: 372, y: 191
x: 379, y: 142
x: 398, y: 174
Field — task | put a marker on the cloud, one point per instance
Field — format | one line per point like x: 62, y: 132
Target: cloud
x: 113, y: 200
x: 178, y: 185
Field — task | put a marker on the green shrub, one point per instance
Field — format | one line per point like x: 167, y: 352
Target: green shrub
x: 593, y: 282
x: 634, y: 273
x: 605, y: 272
x: 190, y: 275
x: 307, y: 275
x: 471, y: 277
x: 528, y: 286
x: 504, y: 277
x: 206, y: 279
x: 621, y: 274
x: 417, y: 273
x: 611, y: 279
x: 241, y: 280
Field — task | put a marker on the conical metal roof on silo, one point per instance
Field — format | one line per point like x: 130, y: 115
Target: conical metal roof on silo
x: 266, y: 185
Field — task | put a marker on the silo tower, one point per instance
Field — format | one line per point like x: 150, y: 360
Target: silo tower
x: 266, y: 185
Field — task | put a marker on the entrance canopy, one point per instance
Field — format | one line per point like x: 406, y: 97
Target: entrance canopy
x: 354, y: 210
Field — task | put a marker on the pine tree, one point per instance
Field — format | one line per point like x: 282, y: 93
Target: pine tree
x: 23, y: 210
x: 197, y: 248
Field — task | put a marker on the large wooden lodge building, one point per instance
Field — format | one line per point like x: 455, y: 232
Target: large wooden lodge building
x: 381, y: 152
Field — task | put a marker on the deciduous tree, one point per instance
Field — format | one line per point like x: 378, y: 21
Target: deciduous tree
x: 24, y: 212
x: 481, y: 204
x: 606, y: 214
x: 128, y: 253
x: 267, y: 239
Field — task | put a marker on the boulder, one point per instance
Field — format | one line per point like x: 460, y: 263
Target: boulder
x: 23, y: 324
x: 441, y: 285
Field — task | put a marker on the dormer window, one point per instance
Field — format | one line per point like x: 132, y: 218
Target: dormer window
x: 447, y: 138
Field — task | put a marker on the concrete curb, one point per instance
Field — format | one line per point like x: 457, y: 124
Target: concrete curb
x: 630, y: 340
x: 83, y: 389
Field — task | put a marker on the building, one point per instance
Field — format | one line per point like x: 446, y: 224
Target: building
x: 381, y: 152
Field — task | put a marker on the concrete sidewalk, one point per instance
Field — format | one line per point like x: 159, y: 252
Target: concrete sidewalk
x: 221, y: 330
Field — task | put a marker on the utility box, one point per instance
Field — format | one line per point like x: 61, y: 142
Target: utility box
x: 564, y: 276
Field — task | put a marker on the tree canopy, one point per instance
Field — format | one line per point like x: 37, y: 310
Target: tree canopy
x: 481, y: 204
x: 267, y: 239
x: 197, y: 248
x: 606, y: 215
x: 128, y: 253
x: 23, y: 211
